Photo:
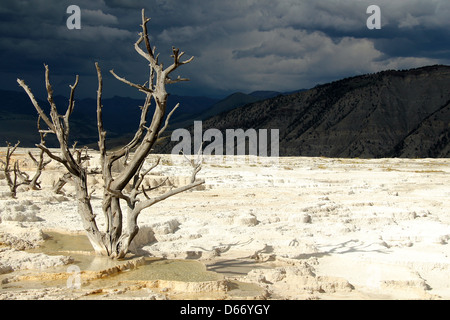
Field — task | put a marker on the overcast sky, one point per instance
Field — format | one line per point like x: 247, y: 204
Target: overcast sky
x: 239, y: 45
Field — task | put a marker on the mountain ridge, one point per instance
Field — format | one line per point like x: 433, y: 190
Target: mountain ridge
x: 392, y: 113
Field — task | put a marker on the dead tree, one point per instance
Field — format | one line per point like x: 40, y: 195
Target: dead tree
x: 116, y: 238
x: 14, y: 177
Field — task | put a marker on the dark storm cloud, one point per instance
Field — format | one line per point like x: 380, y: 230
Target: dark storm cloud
x: 238, y: 45
x: 35, y: 32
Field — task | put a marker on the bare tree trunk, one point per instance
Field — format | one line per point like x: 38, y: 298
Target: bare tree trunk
x: 115, y: 240
x: 85, y: 210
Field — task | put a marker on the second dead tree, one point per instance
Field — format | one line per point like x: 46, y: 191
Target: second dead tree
x: 14, y: 177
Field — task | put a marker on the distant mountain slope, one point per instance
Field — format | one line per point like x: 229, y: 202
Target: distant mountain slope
x: 18, y: 120
x: 182, y: 119
x: 390, y: 113
x: 231, y: 102
x: 120, y: 114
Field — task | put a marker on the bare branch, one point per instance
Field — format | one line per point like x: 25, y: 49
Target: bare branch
x: 138, y: 179
x: 178, y: 79
x: 11, y: 151
x: 148, y: 203
x: 51, y: 155
x: 36, y: 105
x: 71, y: 99
x: 40, y: 164
x: 101, y: 130
x: 196, y: 165
x: 118, y: 194
x: 74, y: 147
x: 176, y: 56
x: 61, y: 183
x: 70, y: 107
x: 45, y: 131
x: 137, y: 86
x: 168, y: 119
x: 145, y: 194
x: 138, y: 135
x: 23, y: 175
x: 157, y: 186
x: 145, y: 33
x: 143, y: 36
x: 142, y: 52
x: 33, y: 158
x: 54, y: 112
x: 125, y: 159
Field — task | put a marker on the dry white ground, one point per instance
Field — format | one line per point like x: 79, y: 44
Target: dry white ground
x: 322, y: 228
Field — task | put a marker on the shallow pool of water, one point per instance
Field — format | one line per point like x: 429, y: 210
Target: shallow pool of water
x: 148, y: 269
x: 80, y: 249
